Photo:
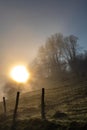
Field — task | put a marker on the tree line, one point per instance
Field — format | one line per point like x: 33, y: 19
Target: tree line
x: 60, y: 57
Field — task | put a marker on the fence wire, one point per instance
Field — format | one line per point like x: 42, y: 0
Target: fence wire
x: 68, y: 99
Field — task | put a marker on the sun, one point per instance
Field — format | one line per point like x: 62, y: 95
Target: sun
x: 19, y: 74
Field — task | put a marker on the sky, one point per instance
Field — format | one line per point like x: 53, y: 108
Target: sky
x: 26, y: 24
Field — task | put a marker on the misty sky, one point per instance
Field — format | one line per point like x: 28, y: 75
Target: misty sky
x: 26, y: 24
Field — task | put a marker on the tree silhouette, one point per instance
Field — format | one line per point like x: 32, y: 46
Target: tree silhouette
x: 59, y: 58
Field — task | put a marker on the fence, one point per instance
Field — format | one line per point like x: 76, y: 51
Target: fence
x: 66, y: 100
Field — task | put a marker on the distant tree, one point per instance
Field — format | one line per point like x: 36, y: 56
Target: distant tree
x: 70, y: 48
x: 47, y: 62
x: 70, y: 52
x: 79, y: 65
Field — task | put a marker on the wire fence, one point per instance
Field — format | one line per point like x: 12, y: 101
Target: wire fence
x: 68, y: 99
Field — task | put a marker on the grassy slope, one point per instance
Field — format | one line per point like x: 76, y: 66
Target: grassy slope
x: 69, y: 98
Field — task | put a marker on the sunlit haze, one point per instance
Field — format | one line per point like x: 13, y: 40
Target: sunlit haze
x: 26, y: 24
x: 43, y: 64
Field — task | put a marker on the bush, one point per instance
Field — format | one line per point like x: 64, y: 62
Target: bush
x: 59, y: 114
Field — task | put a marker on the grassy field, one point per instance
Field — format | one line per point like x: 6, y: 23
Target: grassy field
x: 65, y: 105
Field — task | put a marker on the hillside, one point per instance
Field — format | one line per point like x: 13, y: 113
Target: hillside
x: 64, y: 103
x: 69, y: 98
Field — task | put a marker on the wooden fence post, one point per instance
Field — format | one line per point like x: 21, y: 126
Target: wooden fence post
x: 43, y: 104
x: 15, y: 111
x: 4, y: 105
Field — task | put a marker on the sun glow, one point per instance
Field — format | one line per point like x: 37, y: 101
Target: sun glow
x: 19, y: 74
